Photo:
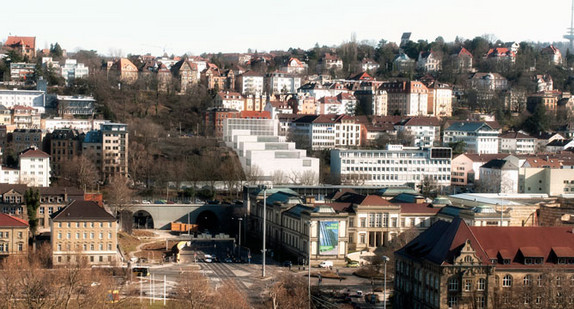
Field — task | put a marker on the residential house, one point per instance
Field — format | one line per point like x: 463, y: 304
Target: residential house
x: 501, y: 54
x: 559, y: 145
x: 295, y: 66
x: 402, y: 63
x: 547, y: 98
x: 462, y: 60
x: 307, y: 105
x: 84, y: 230
x: 212, y: 78
x: 372, y: 102
x: 369, y: 65
x: 478, y: 137
x: 23, y: 45
x: 254, y: 102
x: 552, y: 55
x: 488, y: 82
x: 331, y: 61
x: 429, y: 62
x: 125, y: 70
x: 348, y: 102
x: 186, y: 72
x: 22, y: 72
x: 72, y: 70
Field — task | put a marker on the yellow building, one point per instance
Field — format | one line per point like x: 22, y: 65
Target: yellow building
x: 83, y: 229
x: 13, y: 236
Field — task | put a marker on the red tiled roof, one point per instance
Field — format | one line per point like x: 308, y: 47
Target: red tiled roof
x: 9, y: 221
x: 423, y: 121
x: 375, y: 200
x: 414, y: 208
x: 34, y: 153
x: 255, y: 114
x: 29, y: 41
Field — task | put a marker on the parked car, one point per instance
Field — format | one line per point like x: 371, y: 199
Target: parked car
x: 353, y: 264
x: 326, y: 264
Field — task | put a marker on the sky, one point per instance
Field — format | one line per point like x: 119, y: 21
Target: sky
x: 122, y: 27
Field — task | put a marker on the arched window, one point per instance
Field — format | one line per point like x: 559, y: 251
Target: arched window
x: 453, y: 284
x: 468, y: 259
x: 527, y: 280
x: 507, y: 281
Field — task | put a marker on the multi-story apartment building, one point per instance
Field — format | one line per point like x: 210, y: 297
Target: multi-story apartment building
x: 186, y: 73
x: 83, y: 230
x: 14, y: 234
x: 396, y: 166
x: 425, y: 131
x: 250, y: 83
x: 453, y: 265
x: 516, y: 142
x: 35, y: 168
x: 23, y: 139
x: 76, y: 106
x: 25, y: 117
x: 281, y: 83
x: 82, y: 125
x: 406, y: 98
x: 29, y: 98
x: 72, y: 70
x: 230, y: 100
x: 65, y: 145
x: 466, y: 167
x: 22, y: 71
x: 439, y: 99
x: 114, y: 149
x: 327, y: 131
x: 372, y: 102
x: 478, y: 137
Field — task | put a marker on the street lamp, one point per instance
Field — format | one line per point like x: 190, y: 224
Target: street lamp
x: 385, y: 259
x: 264, y: 187
x: 239, y: 220
x: 309, y: 262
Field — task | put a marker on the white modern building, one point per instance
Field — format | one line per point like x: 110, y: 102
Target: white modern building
x: 82, y: 125
x: 425, y: 131
x: 266, y: 156
x: 231, y: 100
x: 28, y: 98
x: 479, y: 137
x: 499, y: 176
x: 250, y: 83
x: 72, y: 70
x: 76, y: 105
x: 396, y: 166
x: 280, y: 82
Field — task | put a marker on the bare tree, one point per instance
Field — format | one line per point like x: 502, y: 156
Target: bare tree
x: 194, y: 291
x: 80, y: 172
x: 119, y: 197
x: 288, y: 291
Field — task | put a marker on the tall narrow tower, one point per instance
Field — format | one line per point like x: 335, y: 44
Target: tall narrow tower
x: 570, y: 34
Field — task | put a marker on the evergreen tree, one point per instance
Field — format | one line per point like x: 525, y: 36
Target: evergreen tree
x: 32, y: 199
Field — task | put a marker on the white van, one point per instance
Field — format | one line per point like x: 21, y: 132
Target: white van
x: 326, y: 264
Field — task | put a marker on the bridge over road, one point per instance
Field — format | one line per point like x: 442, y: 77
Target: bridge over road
x: 213, y: 217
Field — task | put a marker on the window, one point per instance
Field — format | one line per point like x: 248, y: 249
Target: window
x: 453, y: 284
x: 467, y: 285
x: 539, y: 280
x: 480, y: 302
x: 507, y: 281
x: 20, y: 247
x: 481, y: 284
x: 452, y: 301
x: 558, y: 280
x: 527, y: 280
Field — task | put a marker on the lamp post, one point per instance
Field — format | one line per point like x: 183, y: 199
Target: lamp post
x: 385, y: 259
x: 309, y: 262
x: 264, y: 251
x: 239, y: 220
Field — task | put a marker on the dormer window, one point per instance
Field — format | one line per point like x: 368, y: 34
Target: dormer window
x: 566, y: 260
x: 533, y: 260
x: 506, y: 261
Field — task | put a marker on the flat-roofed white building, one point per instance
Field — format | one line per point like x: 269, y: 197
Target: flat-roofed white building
x: 396, y: 166
x: 479, y: 137
x: 82, y: 125
x: 267, y: 157
x: 28, y: 98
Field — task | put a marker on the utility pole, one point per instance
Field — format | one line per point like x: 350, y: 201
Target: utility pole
x: 264, y: 228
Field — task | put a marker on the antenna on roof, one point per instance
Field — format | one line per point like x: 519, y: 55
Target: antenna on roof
x: 570, y: 34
